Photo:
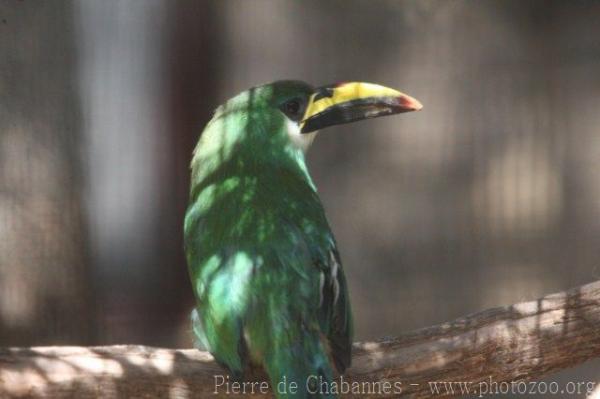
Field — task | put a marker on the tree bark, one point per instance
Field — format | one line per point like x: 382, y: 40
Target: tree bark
x: 520, y: 342
x: 45, y: 286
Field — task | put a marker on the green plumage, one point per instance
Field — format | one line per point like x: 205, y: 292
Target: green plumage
x: 262, y: 259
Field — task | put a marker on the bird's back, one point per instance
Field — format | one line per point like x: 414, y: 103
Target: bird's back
x: 267, y: 275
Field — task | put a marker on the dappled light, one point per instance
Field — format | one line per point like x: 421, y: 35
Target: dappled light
x: 488, y: 198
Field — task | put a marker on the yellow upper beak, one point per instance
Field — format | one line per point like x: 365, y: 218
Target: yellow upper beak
x: 352, y: 101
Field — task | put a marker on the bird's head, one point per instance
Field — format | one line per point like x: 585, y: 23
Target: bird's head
x: 279, y: 121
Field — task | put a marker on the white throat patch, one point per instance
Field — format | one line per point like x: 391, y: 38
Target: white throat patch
x: 300, y: 140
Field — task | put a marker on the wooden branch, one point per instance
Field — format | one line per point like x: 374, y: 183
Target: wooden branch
x: 519, y: 342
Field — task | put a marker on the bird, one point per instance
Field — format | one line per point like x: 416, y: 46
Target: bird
x: 267, y: 277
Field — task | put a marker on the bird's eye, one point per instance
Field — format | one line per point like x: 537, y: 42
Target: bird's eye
x: 293, y: 109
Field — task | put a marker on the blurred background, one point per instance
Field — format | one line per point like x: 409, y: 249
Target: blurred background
x: 489, y: 196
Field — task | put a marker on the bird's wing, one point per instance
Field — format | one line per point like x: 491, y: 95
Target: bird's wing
x: 333, y: 305
x: 335, y: 315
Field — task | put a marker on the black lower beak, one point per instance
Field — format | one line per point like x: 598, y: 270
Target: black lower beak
x: 359, y: 109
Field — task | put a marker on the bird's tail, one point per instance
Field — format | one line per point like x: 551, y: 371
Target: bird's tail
x: 302, y: 370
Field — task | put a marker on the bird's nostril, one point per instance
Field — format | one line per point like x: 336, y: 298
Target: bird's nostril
x: 323, y: 92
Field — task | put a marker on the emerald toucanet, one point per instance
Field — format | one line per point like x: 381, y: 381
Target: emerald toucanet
x: 262, y: 259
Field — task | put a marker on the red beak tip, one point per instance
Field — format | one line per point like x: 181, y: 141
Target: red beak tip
x: 410, y: 104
